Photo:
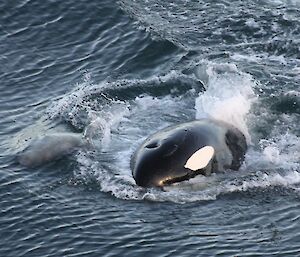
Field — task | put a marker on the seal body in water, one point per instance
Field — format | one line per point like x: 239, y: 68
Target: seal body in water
x: 181, y: 152
x: 50, y: 147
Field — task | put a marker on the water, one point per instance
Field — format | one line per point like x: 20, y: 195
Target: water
x: 120, y: 71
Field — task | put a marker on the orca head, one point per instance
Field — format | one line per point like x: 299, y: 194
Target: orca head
x: 170, y: 157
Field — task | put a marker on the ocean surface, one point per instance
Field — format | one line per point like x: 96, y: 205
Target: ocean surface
x: 119, y: 71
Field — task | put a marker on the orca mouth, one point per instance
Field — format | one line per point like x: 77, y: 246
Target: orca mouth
x: 190, y: 174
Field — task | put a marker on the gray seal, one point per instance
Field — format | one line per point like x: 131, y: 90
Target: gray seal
x: 50, y: 148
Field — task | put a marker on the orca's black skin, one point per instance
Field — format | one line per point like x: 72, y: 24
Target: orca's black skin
x: 160, y: 160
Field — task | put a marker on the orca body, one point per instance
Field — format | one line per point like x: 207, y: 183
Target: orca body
x: 183, y: 151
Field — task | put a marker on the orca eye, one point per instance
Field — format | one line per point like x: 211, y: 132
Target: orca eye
x: 152, y: 145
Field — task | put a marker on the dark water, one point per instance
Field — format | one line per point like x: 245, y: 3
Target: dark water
x: 119, y: 72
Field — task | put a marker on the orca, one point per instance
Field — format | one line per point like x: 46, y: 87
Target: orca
x: 185, y: 150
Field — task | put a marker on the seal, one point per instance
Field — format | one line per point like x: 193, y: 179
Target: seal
x: 50, y: 148
x: 183, y: 151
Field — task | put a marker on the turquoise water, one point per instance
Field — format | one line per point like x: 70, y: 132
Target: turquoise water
x: 119, y: 72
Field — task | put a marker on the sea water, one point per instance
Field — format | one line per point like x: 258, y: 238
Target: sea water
x: 118, y: 72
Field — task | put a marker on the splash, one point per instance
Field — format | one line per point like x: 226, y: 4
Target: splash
x: 228, y: 97
x: 102, y: 123
x: 117, y: 127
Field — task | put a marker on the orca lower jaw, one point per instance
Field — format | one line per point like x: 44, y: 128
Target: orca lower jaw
x: 190, y: 174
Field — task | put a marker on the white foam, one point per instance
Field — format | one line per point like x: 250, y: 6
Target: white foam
x: 69, y: 103
x: 272, y: 154
x: 228, y: 97
x: 91, y: 170
x: 101, y: 123
x: 252, y: 23
x: 260, y: 58
x: 247, y: 58
x: 282, y: 151
x: 267, y: 180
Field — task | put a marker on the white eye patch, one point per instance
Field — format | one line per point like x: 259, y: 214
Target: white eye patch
x: 200, y: 158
